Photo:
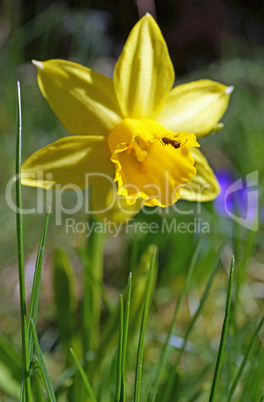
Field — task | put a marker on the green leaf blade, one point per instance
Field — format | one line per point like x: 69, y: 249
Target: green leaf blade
x: 82, y: 373
x: 33, y: 310
x: 42, y: 364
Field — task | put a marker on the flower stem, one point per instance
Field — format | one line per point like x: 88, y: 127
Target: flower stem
x: 93, y: 277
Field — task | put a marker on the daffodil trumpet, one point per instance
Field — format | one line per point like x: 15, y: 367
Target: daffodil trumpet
x: 135, y: 129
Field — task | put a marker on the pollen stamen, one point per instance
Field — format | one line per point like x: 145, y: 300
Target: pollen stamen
x: 138, y: 149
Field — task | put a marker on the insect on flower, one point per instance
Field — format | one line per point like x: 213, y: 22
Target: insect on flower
x: 174, y: 143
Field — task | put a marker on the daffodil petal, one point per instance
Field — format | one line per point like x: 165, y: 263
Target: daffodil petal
x: 83, y: 100
x: 158, y: 178
x: 106, y: 204
x: 195, y: 107
x: 204, y: 186
x: 144, y: 73
x: 75, y: 161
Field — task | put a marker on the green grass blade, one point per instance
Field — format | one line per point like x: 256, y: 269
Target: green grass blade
x: 223, y: 335
x: 243, y: 364
x: 93, y: 282
x: 85, y: 379
x: 191, y: 325
x: 143, y: 329
x: 164, y: 355
x: 119, y: 353
x: 33, y: 310
x: 262, y: 399
x: 20, y: 248
x: 42, y: 363
x: 126, y: 323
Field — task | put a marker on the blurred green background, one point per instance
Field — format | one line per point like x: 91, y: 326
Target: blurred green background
x: 220, y: 40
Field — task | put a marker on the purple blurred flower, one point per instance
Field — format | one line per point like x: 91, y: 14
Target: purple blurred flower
x: 238, y: 197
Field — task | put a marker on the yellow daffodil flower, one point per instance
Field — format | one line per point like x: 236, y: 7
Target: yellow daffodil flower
x: 134, y: 129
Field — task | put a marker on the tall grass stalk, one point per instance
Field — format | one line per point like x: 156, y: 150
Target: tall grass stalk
x: 26, y: 390
x: 224, y: 332
x: 143, y: 329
